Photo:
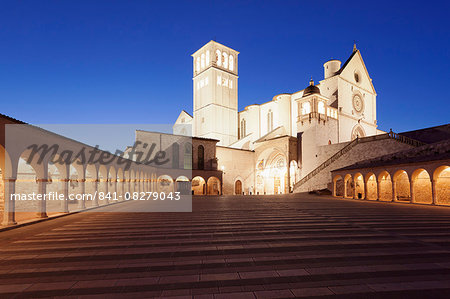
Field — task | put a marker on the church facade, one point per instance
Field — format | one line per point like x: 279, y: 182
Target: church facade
x: 267, y: 148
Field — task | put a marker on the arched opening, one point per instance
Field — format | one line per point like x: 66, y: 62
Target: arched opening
x: 238, y: 187
x: 218, y: 58
x: 385, y: 186
x: 198, y: 64
x: 202, y: 61
x: 198, y: 186
x: 164, y: 184
x: 200, y: 157
x: 359, y: 186
x: 175, y: 155
x: 306, y: 108
x: 421, y: 186
x: 213, y: 186
x: 26, y: 184
x: 338, y: 184
x: 371, y: 187
x: 402, y: 186
x: 358, y: 132
x: 207, y: 58
x: 349, y: 187
x: 442, y: 185
x: 321, y: 107
x: 183, y: 185
x: 231, y: 63
x: 225, y: 60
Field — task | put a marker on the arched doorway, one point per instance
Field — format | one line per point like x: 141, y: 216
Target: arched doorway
x: 421, y: 186
x: 441, y: 179
x: 358, y: 132
x: 402, y: 186
x: 385, y: 186
x: 238, y: 187
x: 198, y: 186
x: 371, y: 186
x: 348, y: 190
x: 165, y: 184
x: 213, y: 186
x: 183, y: 185
x: 338, y: 184
x: 359, y: 186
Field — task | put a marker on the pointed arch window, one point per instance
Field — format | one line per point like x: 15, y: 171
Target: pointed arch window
x: 218, y: 58
x: 243, y: 124
x: 225, y: 60
x: 231, y: 63
x: 207, y: 58
x: 321, y: 107
x: 306, y: 108
x: 198, y: 64
x: 269, y: 120
x: 203, y: 61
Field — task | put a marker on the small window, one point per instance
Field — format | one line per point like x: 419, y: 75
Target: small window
x: 218, y: 58
x: 231, y: 63
x: 321, y: 107
x: 207, y: 58
x: 198, y: 64
x: 306, y: 108
x: 203, y: 61
x: 225, y: 60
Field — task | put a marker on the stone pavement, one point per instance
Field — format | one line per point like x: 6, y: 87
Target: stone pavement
x: 235, y: 247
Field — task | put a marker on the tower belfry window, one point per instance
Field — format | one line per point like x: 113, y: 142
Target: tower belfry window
x: 218, y: 58
x: 231, y: 63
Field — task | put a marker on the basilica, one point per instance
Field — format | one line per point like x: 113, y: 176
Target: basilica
x: 268, y: 148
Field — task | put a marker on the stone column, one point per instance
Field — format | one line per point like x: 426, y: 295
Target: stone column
x: 345, y: 189
x: 81, y: 202
x: 65, y: 192
x: 378, y: 190
x: 334, y: 188
x: 411, y: 185
x: 394, y: 190
x: 116, y: 195
x: 105, y: 190
x: 434, y: 192
x: 95, y: 195
x: 42, y: 205
x: 365, y: 189
x: 9, y: 211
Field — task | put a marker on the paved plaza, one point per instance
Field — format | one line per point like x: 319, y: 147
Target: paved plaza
x: 235, y: 247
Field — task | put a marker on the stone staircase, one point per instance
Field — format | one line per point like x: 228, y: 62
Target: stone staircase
x: 337, y: 156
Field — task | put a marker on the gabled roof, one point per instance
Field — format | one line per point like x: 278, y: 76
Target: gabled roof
x: 355, y: 53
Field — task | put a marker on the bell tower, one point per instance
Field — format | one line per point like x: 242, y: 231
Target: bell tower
x: 215, y: 80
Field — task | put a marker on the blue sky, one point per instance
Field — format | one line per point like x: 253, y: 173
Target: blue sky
x: 129, y: 61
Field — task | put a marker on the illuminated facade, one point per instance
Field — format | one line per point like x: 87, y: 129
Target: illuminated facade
x: 267, y: 148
